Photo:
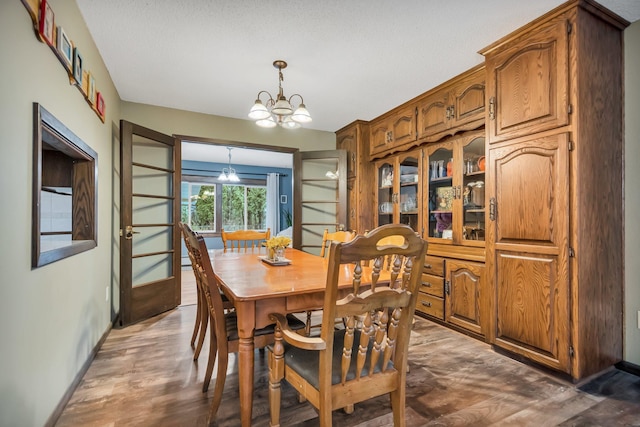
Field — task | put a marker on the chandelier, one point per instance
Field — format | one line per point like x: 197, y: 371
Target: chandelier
x: 229, y: 174
x: 279, y: 111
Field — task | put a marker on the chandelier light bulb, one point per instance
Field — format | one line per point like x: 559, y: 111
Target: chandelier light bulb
x: 301, y: 115
x: 259, y: 111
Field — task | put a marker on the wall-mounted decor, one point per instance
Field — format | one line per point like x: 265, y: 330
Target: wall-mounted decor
x: 43, y: 19
x: 63, y: 44
x: 77, y: 66
x: 91, y: 92
x: 100, y: 103
x: 47, y: 24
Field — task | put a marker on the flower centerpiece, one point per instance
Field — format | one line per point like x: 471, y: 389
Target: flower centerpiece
x: 276, y: 245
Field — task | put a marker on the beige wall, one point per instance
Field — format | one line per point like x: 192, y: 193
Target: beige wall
x: 53, y: 316
x: 631, y: 193
x: 179, y: 122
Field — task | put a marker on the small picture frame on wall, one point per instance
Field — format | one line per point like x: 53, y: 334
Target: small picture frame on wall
x: 91, y: 92
x: 46, y: 24
x: 64, y: 46
x: 77, y: 66
x: 85, y: 84
x: 100, y: 104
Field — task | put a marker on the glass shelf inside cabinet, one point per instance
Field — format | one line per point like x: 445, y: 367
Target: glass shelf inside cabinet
x: 473, y: 185
x: 441, y: 194
x: 409, y: 194
x: 385, y: 194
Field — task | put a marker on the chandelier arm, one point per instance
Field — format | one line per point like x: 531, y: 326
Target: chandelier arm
x: 268, y: 94
x: 299, y: 96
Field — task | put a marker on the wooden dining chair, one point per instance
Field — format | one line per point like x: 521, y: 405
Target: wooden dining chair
x: 327, y: 238
x: 244, y: 239
x: 338, y: 236
x: 202, y: 319
x: 223, y: 334
x: 368, y: 358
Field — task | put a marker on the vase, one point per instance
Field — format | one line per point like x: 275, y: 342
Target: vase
x: 271, y: 253
x: 279, y: 254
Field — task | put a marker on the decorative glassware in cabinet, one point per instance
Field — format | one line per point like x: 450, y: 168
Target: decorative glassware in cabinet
x: 409, y: 194
x: 473, y: 186
x: 385, y: 194
x: 441, y: 193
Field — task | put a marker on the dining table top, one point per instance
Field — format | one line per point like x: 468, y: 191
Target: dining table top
x: 244, y: 274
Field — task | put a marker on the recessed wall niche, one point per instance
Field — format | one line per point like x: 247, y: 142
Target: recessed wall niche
x: 65, y: 172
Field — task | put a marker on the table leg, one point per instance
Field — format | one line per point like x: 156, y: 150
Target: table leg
x: 246, y: 325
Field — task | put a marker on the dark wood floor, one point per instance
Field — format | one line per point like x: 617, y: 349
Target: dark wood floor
x: 144, y: 375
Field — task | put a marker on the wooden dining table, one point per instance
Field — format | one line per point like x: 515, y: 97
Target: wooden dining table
x: 258, y: 289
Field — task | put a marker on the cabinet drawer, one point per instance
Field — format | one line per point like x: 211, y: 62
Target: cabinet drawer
x: 428, y: 304
x: 434, y: 265
x: 432, y: 285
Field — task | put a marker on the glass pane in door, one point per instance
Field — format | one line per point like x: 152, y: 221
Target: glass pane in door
x: 474, y: 190
x: 152, y: 211
x: 385, y: 194
x: 409, y: 194
x: 320, y: 196
x: 441, y: 194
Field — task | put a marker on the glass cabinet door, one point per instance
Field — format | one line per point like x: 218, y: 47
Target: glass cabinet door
x: 441, y: 192
x: 409, y: 194
x: 385, y: 174
x: 473, y: 186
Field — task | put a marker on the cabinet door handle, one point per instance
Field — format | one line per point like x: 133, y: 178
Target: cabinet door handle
x: 447, y: 287
x: 426, y: 303
x: 492, y: 108
x: 492, y: 209
x: 448, y: 113
x: 452, y: 113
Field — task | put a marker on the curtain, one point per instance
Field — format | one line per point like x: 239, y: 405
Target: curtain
x: 273, y: 202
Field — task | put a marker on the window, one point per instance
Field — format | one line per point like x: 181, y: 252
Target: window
x: 64, y: 191
x: 208, y: 206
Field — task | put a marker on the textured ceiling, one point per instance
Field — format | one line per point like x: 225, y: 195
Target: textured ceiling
x: 349, y: 59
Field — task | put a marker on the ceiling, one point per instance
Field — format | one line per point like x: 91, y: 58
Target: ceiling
x: 349, y: 59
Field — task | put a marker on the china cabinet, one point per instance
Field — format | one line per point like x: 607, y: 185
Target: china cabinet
x: 555, y: 178
x: 519, y: 191
x: 354, y: 138
x: 399, y: 192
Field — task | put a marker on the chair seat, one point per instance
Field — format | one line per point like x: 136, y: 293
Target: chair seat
x: 305, y: 362
x: 231, y: 322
